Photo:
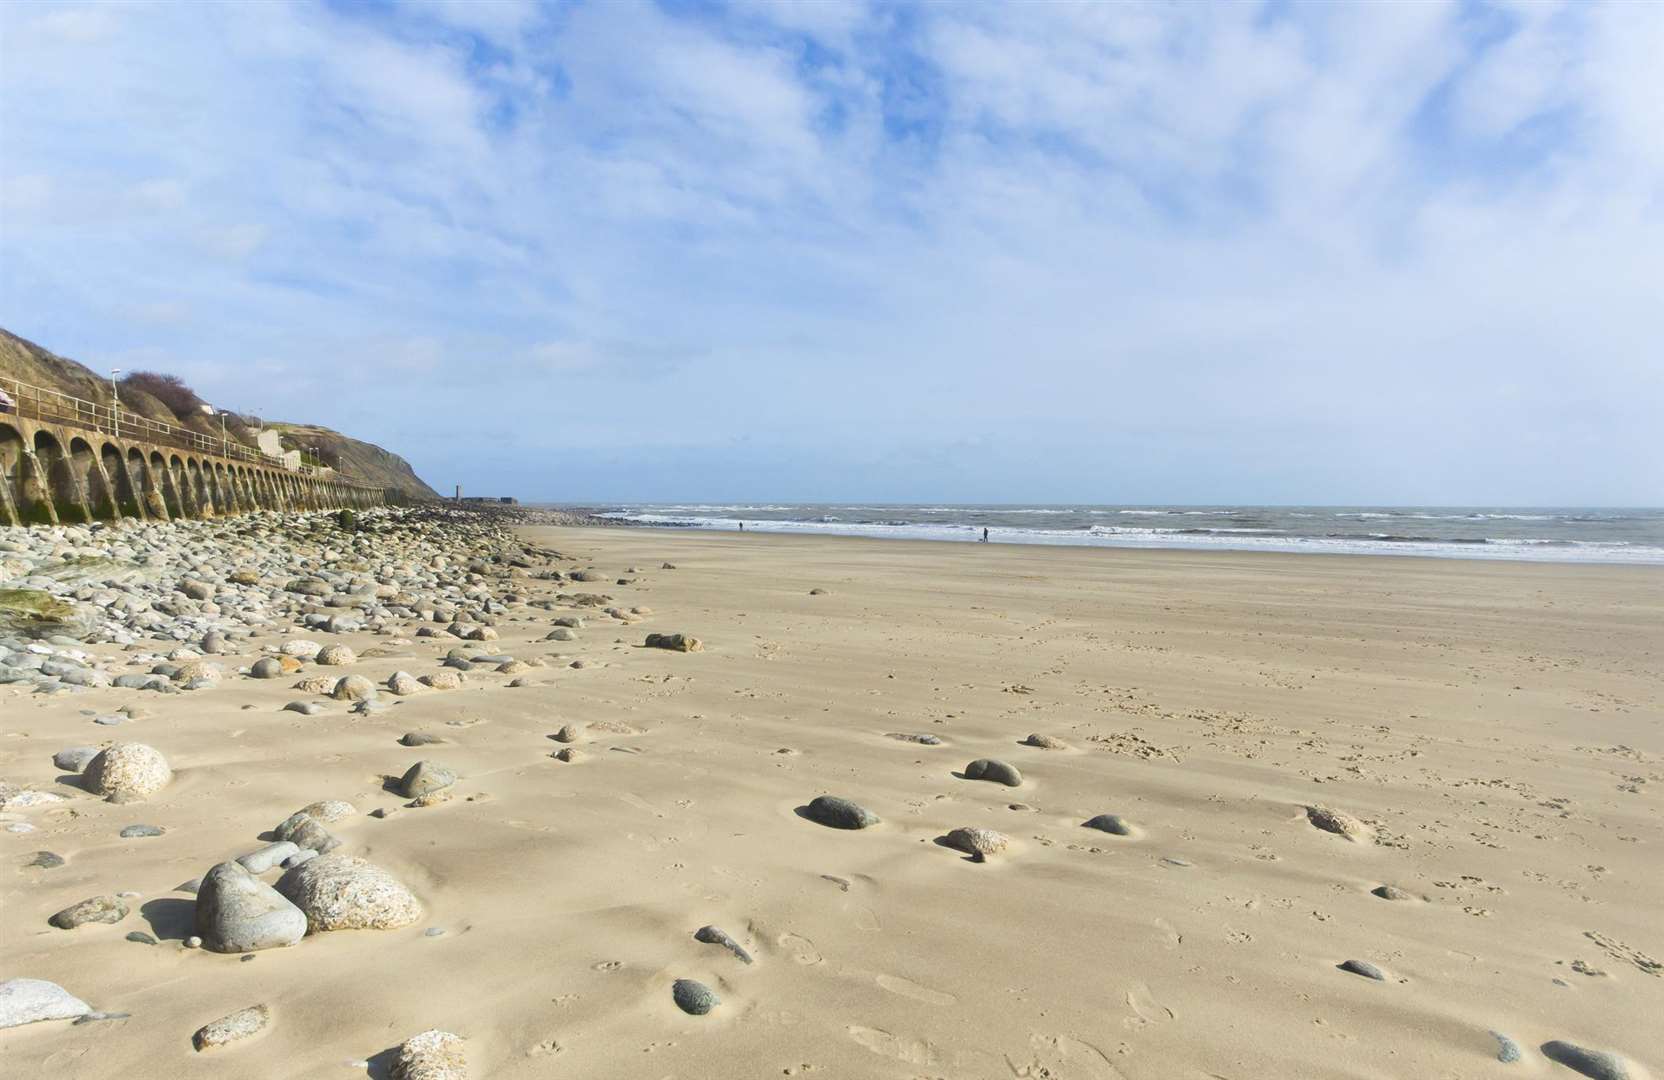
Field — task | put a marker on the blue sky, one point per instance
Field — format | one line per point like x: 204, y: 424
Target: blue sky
x: 1103, y: 253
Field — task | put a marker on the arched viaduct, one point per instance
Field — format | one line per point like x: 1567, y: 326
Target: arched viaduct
x: 58, y: 472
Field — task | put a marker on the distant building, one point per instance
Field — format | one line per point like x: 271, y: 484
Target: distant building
x: 502, y: 500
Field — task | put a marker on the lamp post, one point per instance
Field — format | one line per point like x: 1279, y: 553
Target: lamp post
x: 115, y: 399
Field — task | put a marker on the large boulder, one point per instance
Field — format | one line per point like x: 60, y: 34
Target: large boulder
x: 127, y: 772
x: 36, y: 614
x: 236, y: 912
x: 27, y: 1001
x: 424, y: 777
x: 339, y: 892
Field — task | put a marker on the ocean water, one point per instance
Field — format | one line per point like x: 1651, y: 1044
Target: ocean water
x: 1550, y: 534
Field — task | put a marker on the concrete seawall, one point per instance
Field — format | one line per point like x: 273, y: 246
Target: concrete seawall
x: 52, y: 473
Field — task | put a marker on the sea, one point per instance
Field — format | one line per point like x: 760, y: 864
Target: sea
x: 1539, y: 534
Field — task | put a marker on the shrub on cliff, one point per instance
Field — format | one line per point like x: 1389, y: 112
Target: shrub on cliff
x: 170, y: 390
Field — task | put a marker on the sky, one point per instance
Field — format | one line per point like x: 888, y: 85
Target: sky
x: 823, y: 251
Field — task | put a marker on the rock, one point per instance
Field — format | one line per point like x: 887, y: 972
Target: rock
x: 13, y: 797
x: 1392, y: 892
x: 236, y: 912
x: 710, y: 935
x: 139, y: 937
x: 1046, y: 742
x: 317, y: 684
x: 922, y: 740
x: 197, y: 590
x: 560, y: 633
x: 32, y: 613
x: 44, y: 860
x: 839, y: 813
x: 353, y: 688
x: 977, y: 843
x: 997, y: 771
x: 817, y: 591
x: 1596, y: 1064
x: 432, y: 1055
x: 1341, y: 824
x: 267, y: 667
x: 675, y: 642
x: 303, y: 830
x: 329, y: 810
x: 1109, y: 823
x: 300, y: 649
x: 667, y: 566
x: 75, y: 758
x: 135, y: 832
x: 693, y: 998
x: 423, y: 777
x: 28, y: 1001
x: 443, y: 680
x: 305, y: 708
x: 419, y: 738
x: 127, y: 772
x: 568, y: 754
x: 1364, y: 968
x: 198, y: 672
x: 258, y: 862
x: 339, y: 892
x: 335, y: 656
x: 1507, y: 1050
x: 403, y: 683
x: 214, y: 644
x: 567, y: 734
x: 99, y: 909
x: 232, y: 1027
x: 193, y: 942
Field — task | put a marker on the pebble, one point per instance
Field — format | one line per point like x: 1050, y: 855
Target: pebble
x: 193, y: 942
x: 1109, y: 823
x: 443, y: 680
x: 922, y: 740
x: 134, y: 832
x: 403, y: 683
x: 232, y: 1027
x: 977, y: 843
x: 568, y: 754
x: 1046, y: 742
x: 431, y: 1055
x: 267, y: 667
x: 693, y: 997
x: 98, y: 909
x: 1595, y: 1064
x: 1507, y: 1050
x: 711, y: 935
x: 839, y: 813
x: 1364, y: 968
x: 305, y: 708
x: 339, y: 892
x: 29, y: 1001
x: 45, y: 860
x: 1337, y: 822
x: 419, y: 738
x: 567, y: 734
x: 335, y: 656
x: 997, y: 771
x: 423, y: 777
x: 1392, y: 892
x: 127, y: 772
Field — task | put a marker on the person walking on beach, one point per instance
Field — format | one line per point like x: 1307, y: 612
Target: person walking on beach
x: 985, y: 534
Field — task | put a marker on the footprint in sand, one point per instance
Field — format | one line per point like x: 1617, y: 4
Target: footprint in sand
x: 900, y: 1047
x: 895, y: 984
x: 800, y: 948
x: 1146, y: 1009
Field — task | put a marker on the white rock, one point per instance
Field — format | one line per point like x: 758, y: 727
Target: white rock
x: 26, y: 1001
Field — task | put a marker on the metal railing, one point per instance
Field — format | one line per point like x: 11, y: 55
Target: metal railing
x: 51, y: 406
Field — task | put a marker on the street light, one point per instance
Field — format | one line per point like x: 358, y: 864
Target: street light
x: 115, y: 409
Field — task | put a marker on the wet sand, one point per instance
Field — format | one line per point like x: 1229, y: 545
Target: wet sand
x: 1494, y: 729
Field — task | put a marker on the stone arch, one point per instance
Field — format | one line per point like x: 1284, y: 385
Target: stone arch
x: 145, y: 484
x: 13, y: 452
x: 55, y: 473
x: 122, y: 491
x: 88, y: 472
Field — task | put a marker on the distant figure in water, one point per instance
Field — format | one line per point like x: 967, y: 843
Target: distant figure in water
x: 742, y: 526
x: 985, y: 534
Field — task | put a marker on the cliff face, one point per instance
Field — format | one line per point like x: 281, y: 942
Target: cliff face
x: 29, y: 363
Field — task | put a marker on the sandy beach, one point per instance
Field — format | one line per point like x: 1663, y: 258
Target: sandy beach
x: 1490, y: 733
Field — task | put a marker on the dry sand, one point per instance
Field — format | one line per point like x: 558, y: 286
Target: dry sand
x: 1496, y: 727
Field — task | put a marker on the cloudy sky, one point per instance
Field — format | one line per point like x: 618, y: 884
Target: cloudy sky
x: 823, y: 250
